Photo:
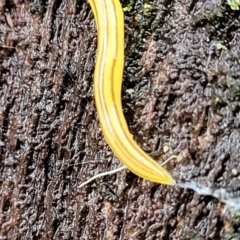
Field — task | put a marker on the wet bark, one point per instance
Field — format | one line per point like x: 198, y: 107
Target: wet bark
x: 180, y: 96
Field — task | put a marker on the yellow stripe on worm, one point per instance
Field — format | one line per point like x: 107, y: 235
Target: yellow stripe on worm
x: 107, y: 90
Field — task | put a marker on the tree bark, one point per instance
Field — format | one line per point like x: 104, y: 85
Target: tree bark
x: 180, y: 96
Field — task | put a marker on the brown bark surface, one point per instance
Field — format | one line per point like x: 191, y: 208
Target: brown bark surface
x: 181, y: 96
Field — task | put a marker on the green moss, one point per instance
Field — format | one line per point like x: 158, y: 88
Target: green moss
x: 234, y: 4
x: 148, y: 8
x: 128, y: 8
x: 220, y: 46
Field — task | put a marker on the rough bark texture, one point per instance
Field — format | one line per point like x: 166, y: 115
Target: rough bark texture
x: 181, y: 96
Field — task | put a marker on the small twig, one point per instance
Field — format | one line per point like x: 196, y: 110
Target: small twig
x: 101, y: 175
x: 114, y: 171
